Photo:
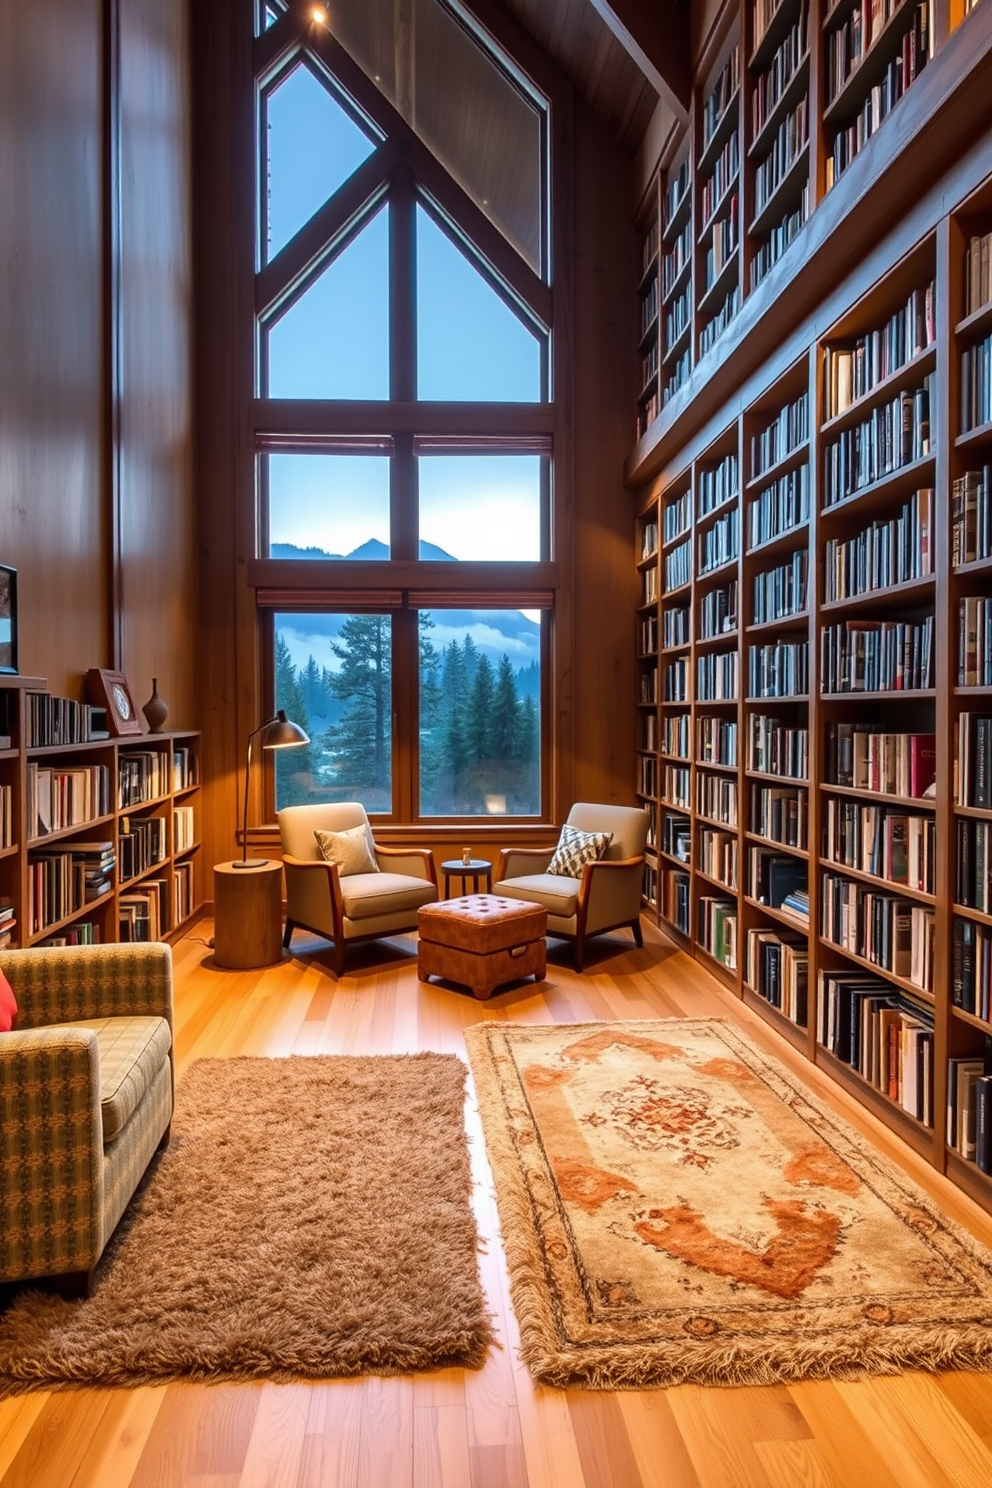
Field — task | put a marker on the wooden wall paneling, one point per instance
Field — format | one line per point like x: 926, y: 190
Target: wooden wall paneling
x: 158, y: 550
x: 223, y: 187
x: 52, y: 519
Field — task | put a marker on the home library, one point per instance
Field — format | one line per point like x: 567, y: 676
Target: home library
x: 101, y: 835
x: 786, y: 97
x: 824, y: 843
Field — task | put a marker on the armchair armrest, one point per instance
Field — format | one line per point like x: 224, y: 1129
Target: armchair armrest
x: 518, y: 862
x: 50, y: 1082
x: 57, y: 984
x: 313, y: 893
x: 418, y: 862
x: 610, y: 892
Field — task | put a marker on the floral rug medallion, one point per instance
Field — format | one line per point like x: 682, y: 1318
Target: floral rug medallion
x: 676, y: 1206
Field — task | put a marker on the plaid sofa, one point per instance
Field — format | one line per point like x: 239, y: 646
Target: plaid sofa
x: 86, y: 1089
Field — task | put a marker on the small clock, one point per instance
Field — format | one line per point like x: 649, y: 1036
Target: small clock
x: 109, y: 690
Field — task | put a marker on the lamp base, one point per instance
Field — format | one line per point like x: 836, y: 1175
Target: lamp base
x: 250, y: 863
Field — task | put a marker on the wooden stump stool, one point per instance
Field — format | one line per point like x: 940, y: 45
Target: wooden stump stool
x: 247, y: 915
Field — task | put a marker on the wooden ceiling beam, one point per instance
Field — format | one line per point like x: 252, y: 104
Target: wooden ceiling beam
x: 655, y: 33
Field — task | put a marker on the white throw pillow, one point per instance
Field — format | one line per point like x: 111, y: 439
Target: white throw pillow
x: 577, y: 848
x: 349, y: 850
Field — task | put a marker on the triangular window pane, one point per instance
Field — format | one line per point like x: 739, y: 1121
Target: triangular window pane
x: 334, y: 341
x: 470, y: 345
x: 271, y: 16
x: 312, y: 147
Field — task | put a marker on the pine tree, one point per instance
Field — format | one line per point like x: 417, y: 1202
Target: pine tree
x: 505, y: 724
x: 361, y: 741
x: 431, y: 713
x: 480, y: 713
x: 294, y: 767
x: 528, y: 752
x: 453, y: 727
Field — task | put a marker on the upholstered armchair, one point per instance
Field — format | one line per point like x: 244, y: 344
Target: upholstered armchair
x: 349, y: 907
x: 86, y: 1088
x: 606, y: 896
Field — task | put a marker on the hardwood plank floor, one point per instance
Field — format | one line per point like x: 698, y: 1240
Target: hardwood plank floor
x: 494, y: 1428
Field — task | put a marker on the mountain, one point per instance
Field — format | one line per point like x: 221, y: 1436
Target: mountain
x: 371, y: 551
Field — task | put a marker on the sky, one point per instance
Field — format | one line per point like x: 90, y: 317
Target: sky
x: 334, y: 343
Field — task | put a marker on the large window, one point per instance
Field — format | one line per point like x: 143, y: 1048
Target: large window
x: 404, y: 427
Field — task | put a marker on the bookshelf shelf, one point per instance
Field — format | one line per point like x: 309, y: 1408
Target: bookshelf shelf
x: 650, y: 334
x: 976, y: 324
x: 903, y: 983
x: 794, y: 1032
x: 704, y: 643
x: 899, y: 694
x: 780, y: 916
x: 971, y: 1018
x: 871, y: 69
x: 793, y: 457
x: 650, y: 271
x: 678, y: 345
x: 800, y: 619
x: 82, y: 913
x: 774, y: 34
x: 756, y: 837
x: 717, y: 883
x: 786, y: 196
x: 721, y: 571
x: 714, y: 297
x: 971, y: 914
x: 790, y: 96
x: 75, y: 830
x: 974, y: 437
x: 875, y: 882
x: 678, y: 219
x: 980, y: 813
x: 885, y: 797
x: 774, y: 779
x: 907, y: 376
x: 913, y: 1132
x: 719, y: 211
x: 912, y: 591
x: 723, y: 769
x: 679, y: 283
x: 722, y: 131
x: 9, y: 852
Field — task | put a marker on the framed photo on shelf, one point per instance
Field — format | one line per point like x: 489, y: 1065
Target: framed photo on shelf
x: 110, y: 690
x: 8, y: 619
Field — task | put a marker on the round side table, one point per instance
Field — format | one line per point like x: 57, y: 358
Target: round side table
x: 476, y: 869
x: 247, y: 915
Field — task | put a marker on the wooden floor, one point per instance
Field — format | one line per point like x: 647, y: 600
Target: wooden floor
x: 493, y: 1429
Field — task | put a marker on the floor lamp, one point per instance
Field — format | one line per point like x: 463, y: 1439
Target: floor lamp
x: 278, y: 733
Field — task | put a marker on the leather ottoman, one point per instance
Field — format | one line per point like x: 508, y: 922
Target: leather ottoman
x: 481, y: 941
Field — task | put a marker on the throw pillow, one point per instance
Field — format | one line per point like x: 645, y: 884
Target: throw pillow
x: 8, y: 1005
x: 576, y: 848
x: 349, y: 850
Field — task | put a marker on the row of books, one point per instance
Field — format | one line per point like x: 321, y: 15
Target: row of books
x: 648, y: 634
x: 144, y: 912
x: 649, y: 586
x: 770, y: 84
x: 717, y: 676
x: 885, y: 553
x: 780, y: 813
x: 777, y: 969
x: 716, y: 798
x: 647, y: 775
x: 717, y: 484
x: 780, y: 592
x: 901, y: 72
x: 786, y: 432
x: 850, y: 372
x: 675, y: 681
x: 677, y: 787
x: 723, y: 239
x: 791, y: 139
x: 781, y: 507
x: 971, y: 968
x: 678, y: 567
x: 63, y: 881
x: 718, y: 930
x: 978, y: 272
x: 649, y: 361
x: 678, y: 515
x: 676, y: 259
x: 676, y: 836
x: 81, y: 932
x: 886, y: 1037
x: 716, y: 740
x: 61, y: 798
x: 777, y: 747
x: 716, y: 185
x: 675, y: 627
x: 678, y: 186
x: 649, y: 884
x: 973, y: 760
x: 53, y: 720
x: 649, y: 538
x: 779, y: 237
x: 881, y: 840
x: 648, y: 685
x: 877, y: 656
x: 894, y: 434
x: 142, y: 842
x: 142, y: 775
x: 183, y: 829
x: 649, y: 306
x: 677, y: 379
x: 971, y: 516
x: 773, y: 877
x: 976, y: 385
x: 649, y: 732
x: 677, y: 318
x: 675, y: 899
x: 650, y: 245
x: 718, y: 855
x: 969, y: 1108
x: 847, y: 43
x: 973, y: 865
x: 718, y: 611
x: 779, y: 669
x: 975, y: 641
x: 896, y: 934
x: 861, y: 756
x: 6, y: 816
x: 720, y: 95
x: 719, y: 322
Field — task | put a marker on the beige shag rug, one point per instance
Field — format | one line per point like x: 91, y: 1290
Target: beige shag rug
x: 676, y: 1207
x: 310, y: 1219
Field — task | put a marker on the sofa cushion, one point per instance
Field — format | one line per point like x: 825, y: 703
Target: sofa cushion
x: 368, y: 895
x: 560, y: 896
x: 351, y: 850
x: 132, y: 1051
x: 575, y: 849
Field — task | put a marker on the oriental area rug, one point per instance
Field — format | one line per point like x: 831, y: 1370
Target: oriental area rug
x: 676, y: 1207
x: 309, y: 1219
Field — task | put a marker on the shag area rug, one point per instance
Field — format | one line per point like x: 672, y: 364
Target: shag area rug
x: 676, y: 1207
x: 310, y: 1218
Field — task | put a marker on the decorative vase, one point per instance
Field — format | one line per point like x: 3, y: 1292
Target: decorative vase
x: 155, y: 710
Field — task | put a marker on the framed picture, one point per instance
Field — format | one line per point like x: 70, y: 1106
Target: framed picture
x: 8, y: 619
x: 110, y: 690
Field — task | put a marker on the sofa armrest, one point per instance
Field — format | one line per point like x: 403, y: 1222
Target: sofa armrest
x: 610, y: 892
x: 518, y: 862
x: 51, y: 1152
x: 58, y: 984
x: 418, y: 862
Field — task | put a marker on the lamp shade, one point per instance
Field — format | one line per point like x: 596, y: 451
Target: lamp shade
x: 283, y: 733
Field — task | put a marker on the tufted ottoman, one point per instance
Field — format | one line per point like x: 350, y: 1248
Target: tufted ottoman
x: 481, y: 941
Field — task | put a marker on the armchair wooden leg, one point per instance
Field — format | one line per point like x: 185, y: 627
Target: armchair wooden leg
x: 287, y: 934
x: 339, y: 957
x: 635, y: 926
x: 579, y: 952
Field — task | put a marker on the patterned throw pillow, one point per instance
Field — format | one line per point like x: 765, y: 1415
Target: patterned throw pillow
x: 576, y: 848
x: 8, y: 1005
x: 350, y: 850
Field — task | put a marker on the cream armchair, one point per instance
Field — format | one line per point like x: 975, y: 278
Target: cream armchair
x: 358, y: 906
x: 85, y: 1099
x: 606, y: 897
